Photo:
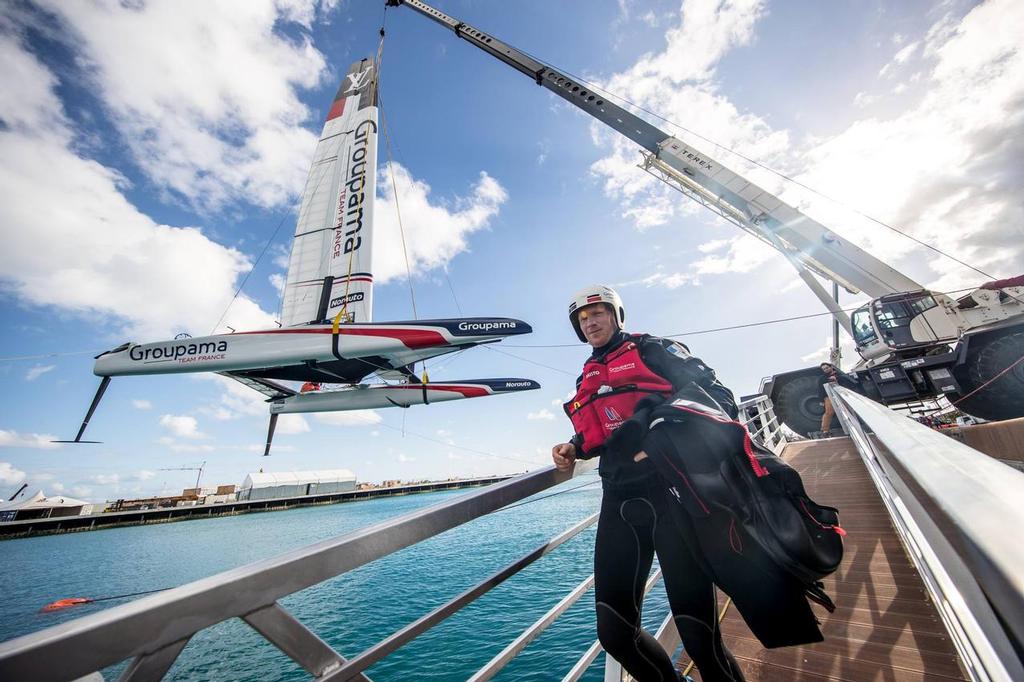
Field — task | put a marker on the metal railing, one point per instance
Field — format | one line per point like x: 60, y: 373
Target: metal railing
x: 959, y: 513
x: 758, y: 415
x: 151, y: 632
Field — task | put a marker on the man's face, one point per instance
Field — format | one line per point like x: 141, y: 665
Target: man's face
x: 597, y: 323
x: 828, y: 369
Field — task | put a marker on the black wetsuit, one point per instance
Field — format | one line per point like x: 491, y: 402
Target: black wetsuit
x: 638, y: 519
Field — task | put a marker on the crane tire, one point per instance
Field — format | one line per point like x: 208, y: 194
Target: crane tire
x: 1004, y: 397
x: 798, y: 404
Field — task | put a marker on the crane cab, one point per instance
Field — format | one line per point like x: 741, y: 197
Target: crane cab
x: 903, y: 322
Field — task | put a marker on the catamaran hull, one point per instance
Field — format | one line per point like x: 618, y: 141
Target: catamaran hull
x: 406, y: 395
x: 296, y: 352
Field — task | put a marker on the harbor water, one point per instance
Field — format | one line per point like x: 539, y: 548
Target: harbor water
x: 353, y: 611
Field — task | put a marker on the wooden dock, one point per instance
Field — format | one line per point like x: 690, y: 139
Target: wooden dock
x: 885, y: 626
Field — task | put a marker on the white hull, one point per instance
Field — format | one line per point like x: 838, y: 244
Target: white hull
x: 399, y: 344
x: 378, y: 396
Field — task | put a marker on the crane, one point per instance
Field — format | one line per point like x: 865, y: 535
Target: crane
x: 915, y: 344
x: 198, y: 468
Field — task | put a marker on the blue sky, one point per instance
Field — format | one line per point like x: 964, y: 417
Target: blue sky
x: 150, y: 152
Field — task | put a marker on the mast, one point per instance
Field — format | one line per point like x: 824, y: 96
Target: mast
x: 809, y: 246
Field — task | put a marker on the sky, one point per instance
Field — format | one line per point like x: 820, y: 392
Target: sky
x: 153, y: 152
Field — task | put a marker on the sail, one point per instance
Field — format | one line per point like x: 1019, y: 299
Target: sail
x: 329, y: 271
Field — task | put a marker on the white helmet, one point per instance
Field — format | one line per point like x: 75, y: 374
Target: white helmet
x: 595, y: 293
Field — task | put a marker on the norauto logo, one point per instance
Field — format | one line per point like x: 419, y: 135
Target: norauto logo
x: 351, y: 298
x: 182, y: 352
x: 485, y: 326
x: 518, y: 384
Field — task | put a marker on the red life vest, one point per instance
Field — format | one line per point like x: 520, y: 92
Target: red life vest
x: 609, y: 392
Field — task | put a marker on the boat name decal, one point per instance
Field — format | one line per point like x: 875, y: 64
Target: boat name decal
x: 350, y: 202
x: 485, y: 326
x: 182, y: 352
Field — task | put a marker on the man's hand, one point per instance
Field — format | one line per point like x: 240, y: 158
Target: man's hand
x: 640, y: 456
x: 564, y: 456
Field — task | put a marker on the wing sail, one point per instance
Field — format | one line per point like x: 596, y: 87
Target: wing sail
x: 330, y: 269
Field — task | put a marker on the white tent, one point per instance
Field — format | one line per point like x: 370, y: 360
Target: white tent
x: 39, y: 506
x: 263, y: 486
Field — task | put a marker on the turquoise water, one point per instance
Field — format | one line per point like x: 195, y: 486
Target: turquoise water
x: 351, y: 612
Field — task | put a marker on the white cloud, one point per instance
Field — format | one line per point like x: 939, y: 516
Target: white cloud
x: 37, y: 371
x: 105, y: 479
x: 435, y: 230
x: 960, y: 194
x: 402, y: 457
x: 277, y: 281
x: 558, y: 402
x: 13, y: 439
x: 899, y: 58
x: 9, y: 475
x: 236, y: 399
x: 175, y: 446
x: 68, y: 227
x: 143, y: 475
x: 142, y: 405
x: 677, y: 82
x: 182, y: 426
x: 204, y: 96
x: 57, y: 487
x: 349, y: 418
x: 541, y: 414
x: 82, y: 491
x: 823, y: 352
x: 290, y: 424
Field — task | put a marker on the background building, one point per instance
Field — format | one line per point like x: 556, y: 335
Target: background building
x: 264, y: 486
x: 39, y: 506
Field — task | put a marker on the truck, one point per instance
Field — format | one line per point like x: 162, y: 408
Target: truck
x: 915, y: 345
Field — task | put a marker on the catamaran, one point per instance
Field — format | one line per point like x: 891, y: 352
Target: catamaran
x: 327, y: 335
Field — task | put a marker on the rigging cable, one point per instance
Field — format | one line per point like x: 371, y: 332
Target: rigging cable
x: 251, y: 269
x: 262, y: 253
x: 612, y: 95
x: 12, y: 358
x: 394, y: 185
x: 722, y: 329
x: 401, y: 160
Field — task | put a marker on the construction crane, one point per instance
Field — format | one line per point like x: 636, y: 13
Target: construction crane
x: 198, y: 468
x: 914, y: 344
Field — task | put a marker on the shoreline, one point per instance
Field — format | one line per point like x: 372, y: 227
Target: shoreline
x: 13, y: 530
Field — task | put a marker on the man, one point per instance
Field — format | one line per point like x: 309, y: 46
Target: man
x: 625, y: 376
x: 830, y: 375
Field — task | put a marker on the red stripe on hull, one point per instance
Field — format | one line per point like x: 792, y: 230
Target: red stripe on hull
x: 413, y: 338
x: 468, y: 391
x: 337, y: 109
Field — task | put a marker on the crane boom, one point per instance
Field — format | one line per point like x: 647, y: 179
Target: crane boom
x: 807, y: 244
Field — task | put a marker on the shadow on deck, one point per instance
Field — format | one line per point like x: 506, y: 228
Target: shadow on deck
x: 885, y: 626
